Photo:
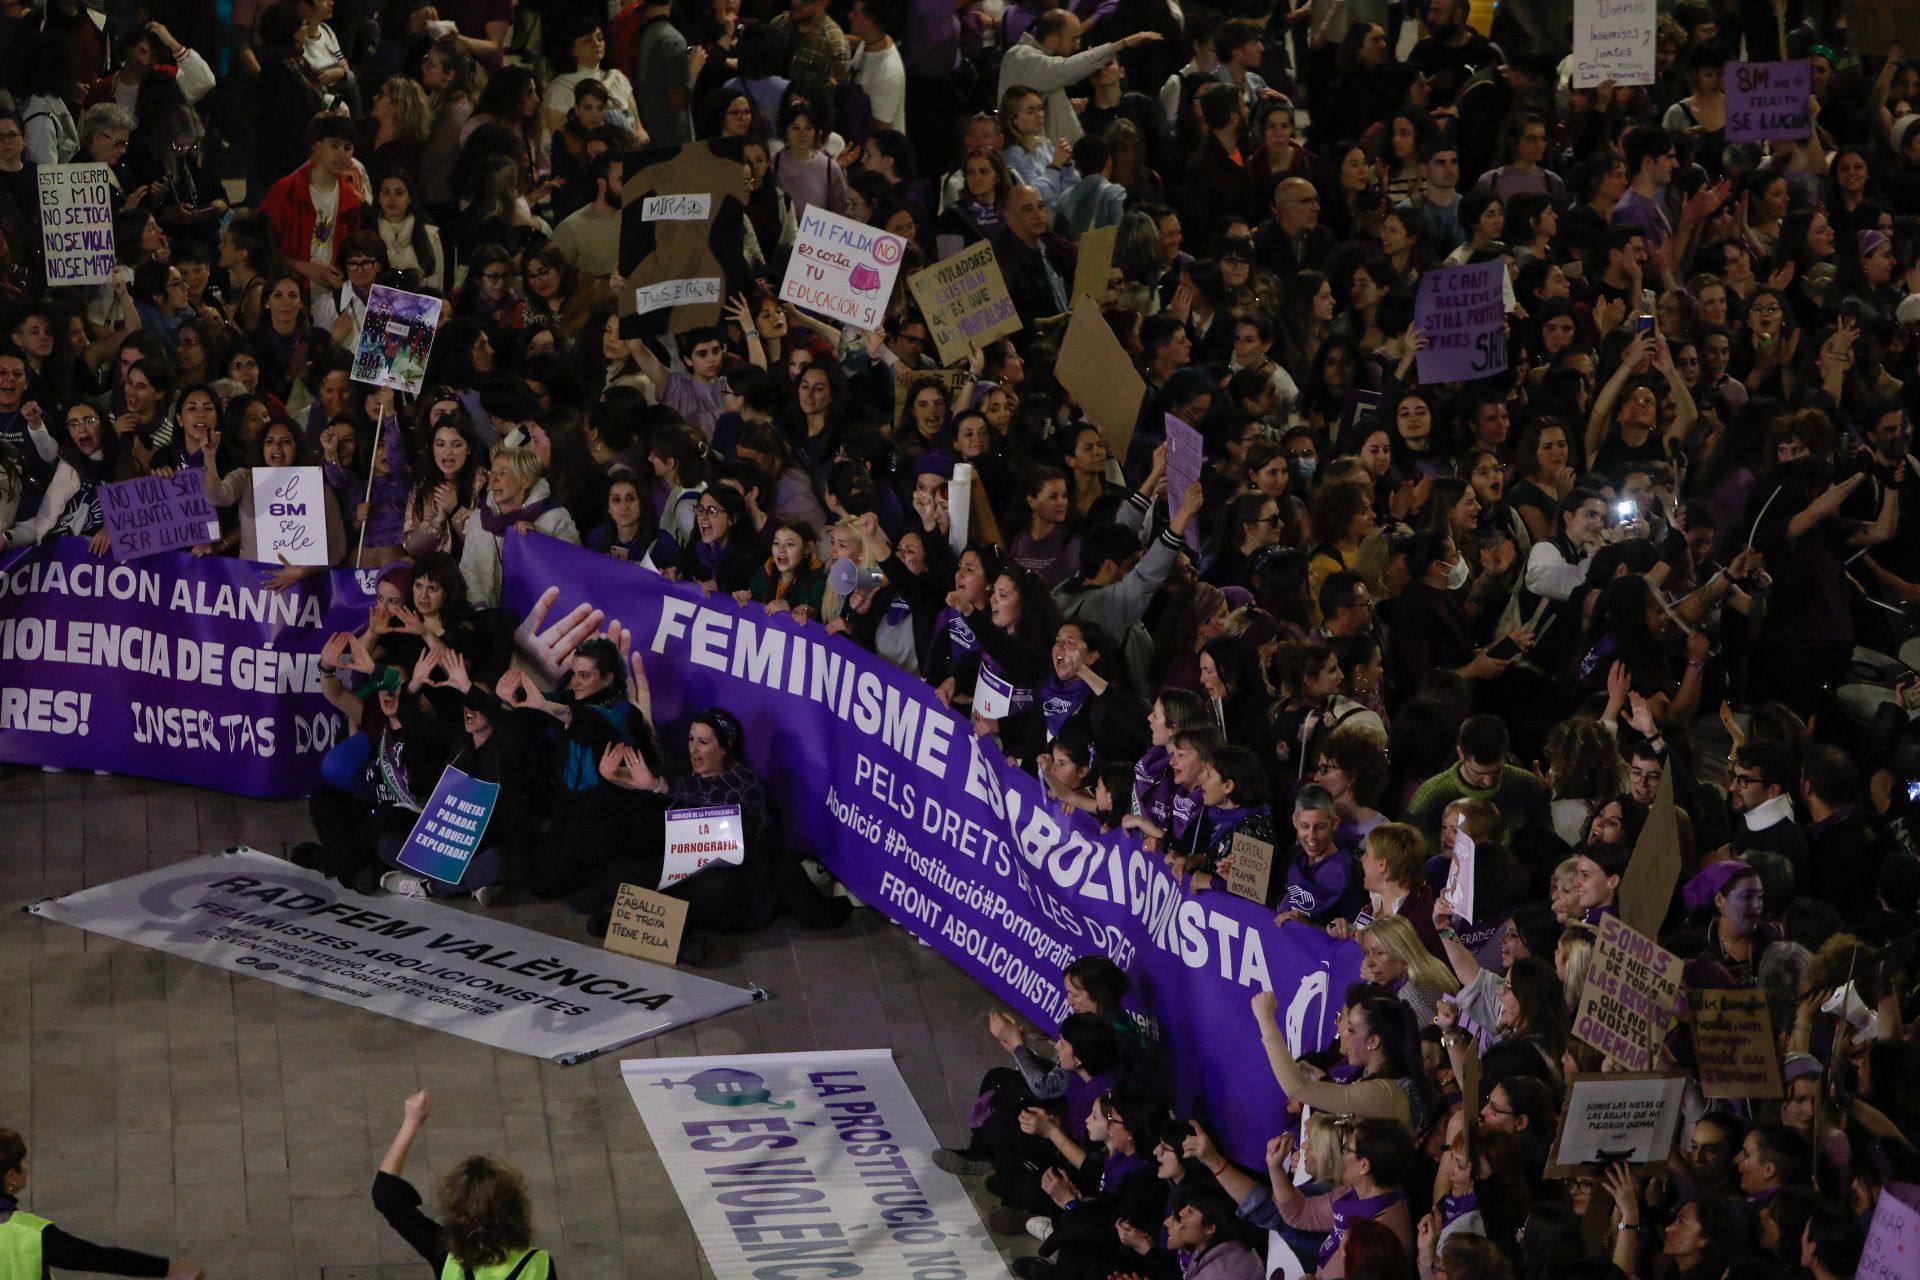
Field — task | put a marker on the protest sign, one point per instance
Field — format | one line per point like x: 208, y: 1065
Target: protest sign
x: 1892, y: 1251
x: 1626, y: 1115
x: 1096, y: 372
x: 965, y: 302
x: 1463, y: 313
x: 1095, y: 262
x: 178, y: 667
x: 992, y: 693
x: 1460, y: 878
x: 1613, y: 40
x: 396, y: 338
x: 1646, y: 889
x: 449, y: 830
x: 842, y: 1177
x: 1768, y: 101
x: 1251, y: 872
x: 680, y: 208
x: 159, y: 513
x: 1733, y: 1043
x: 842, y: 269
x: 682, y: 226
x: 660, y: 295
x: 646, y: 925
x: 1632, y: 987
x: 696, y: 837
x: 873, y: 775
x: 1186, y: 463
x: 76, y: 223
x: 409, y: 958
x: 289, y: 516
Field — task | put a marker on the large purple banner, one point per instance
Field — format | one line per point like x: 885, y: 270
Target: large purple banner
x: 931, y: 826
x: 173, y: 667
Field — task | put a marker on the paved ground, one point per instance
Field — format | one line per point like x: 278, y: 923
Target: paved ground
x: 173, y: 1107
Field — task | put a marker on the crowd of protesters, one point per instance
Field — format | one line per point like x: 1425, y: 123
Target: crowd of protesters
x: 1667, y: 547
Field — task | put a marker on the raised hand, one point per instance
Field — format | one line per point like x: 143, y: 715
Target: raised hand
x: 550, y: 647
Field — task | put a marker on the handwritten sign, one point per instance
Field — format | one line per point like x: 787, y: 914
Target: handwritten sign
x: 1096, y: 372
x: 448, y: 831
x: 1251, y: 871
x: 1881, y: 24
x: 1893, y: 1238
x: 1633, y: 986
x: 842, y: 269
x: 1463, y: 311
x: 965, y: 301
x: 992, y: 693
x: 1186, y: 461
x: 76, y: 223
x: 1460, y: 877
x: 646, y: 925
x: 661, y: 294
x: 1617, y: 1116
x: 1095, y: 262
x: 1613, y: 40
x: 288, y: 516
x: 396, y: 338
x: 1733, y: 1044
x: 1768, y: 100
x: 158, y: 513
x: 679, y: 208
x: 696, y: 838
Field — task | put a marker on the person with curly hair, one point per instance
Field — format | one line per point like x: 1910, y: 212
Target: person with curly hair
x: 486, y: 1218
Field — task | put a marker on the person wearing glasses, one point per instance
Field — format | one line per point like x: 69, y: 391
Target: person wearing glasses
x: 91, y: 455
x: 342, y: 311
x: 1757, y: 789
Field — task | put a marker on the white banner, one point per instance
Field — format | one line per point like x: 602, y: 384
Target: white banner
x: 821, y: 1159
x: 466, y: 974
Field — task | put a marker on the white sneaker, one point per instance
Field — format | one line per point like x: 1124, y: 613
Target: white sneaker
x: 1040, y: 1227
x: 488, y: 895
x: 404, y: 883
x: 822, y: 878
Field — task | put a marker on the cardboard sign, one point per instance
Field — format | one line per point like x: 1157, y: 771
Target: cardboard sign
x: 965, y: 301
x: 842, y: 269
x: 1646, y: 889
x: 696, y: 838
x: 1460, y: 877
x: 1095, y: 263
x: 1768, y: 100
x: 448, y: 831
x: 681, y: 231
x: 1630, y: 1116
x: 1733, y: 1044
x: 1633, y: 985
x: 289, y: 519
x: 76, y: 223
x: 1463, y: 312
x: 1186, y: 462
x: 662, y: 294
x: 1252, y: 869
x: 646, y: 925
x: 1893, y: 1237
x: 159, y: 513
x: 680, y: 208
x: 396, y: 338
x: 1613, y: 40
x: 1096, y: 372
x: 992, y: 694
x: 1881, y: 24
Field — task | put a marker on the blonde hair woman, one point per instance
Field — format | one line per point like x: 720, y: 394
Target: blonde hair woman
x: 404, y: 118
x: 1571, y: 956
x: 1320, y: 1145
x: 1564, y: 892
x: 846, y: 539
x: 1393, y: 956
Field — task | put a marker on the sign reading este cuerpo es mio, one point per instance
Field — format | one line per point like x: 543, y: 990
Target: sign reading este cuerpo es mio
x: 76, y: 223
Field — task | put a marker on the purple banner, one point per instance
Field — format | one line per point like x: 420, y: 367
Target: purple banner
x: 158, y: 513
x: 1768, y: 101
x: 889, y: 789
x: 1463, y: 313
x: 177, y: 668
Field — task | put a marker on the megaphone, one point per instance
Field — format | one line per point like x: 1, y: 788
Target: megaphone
x: 847, y: 577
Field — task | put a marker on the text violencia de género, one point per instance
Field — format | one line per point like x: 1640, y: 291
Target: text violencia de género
x: 156, y: 653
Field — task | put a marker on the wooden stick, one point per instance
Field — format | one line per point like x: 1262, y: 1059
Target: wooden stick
x: 373, y: 467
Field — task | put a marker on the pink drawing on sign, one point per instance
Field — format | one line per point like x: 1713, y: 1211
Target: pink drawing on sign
x: 863, y: 279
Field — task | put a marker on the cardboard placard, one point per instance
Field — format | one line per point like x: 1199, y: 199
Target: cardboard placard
x: 1646, y: 888
x: 76, y: 223
x: 1633, y: 986
x: 1733, y: 1043
x: 1252, y: 869
x: 1613, y: 40
x: 680, y: 232
x: 1463, y: 312
x: 646, y: 925
x: 1768, y: 100
x: 1628, y: 1115
x: 842, y: 269
x: 396, y: 338
x: 159, y: 513
x: 1893, y: 1237
x: 696, y: 838
x: 1095, y: 263
x: 1096, y: 372
x: 450, y: 828
x: 965, y: 302
x: 1881, y: 24
x: 289, y: 521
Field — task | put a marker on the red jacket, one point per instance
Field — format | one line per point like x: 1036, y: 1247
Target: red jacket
x: 289, y: 206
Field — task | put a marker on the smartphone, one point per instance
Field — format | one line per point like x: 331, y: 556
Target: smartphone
x: 1625, y: 511
x: 1910, y: 695
x: 1913, y: 792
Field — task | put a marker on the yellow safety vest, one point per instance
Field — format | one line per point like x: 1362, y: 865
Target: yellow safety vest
x: 20, y: 1253
x: 528, y: 1264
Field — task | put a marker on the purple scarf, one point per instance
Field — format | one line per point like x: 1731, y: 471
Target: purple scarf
x: 498, y: 522
x: 1061, y: 700
x: 1350, y: 1208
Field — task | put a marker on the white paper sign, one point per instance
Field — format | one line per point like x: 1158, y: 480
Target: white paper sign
x: 842, y: 269
x: 76, y: 223
x: 288, y: 519
x: 1892, y: 1251
x: 1613, y: 40
x: 696, y: 837
x: 992, y: 694
x: 662, y: 294
x: 676, y: 208
x: 1633, y: 1120
x: 1459, y: 889
x: 1282, y: 1262
x: 959, y: 505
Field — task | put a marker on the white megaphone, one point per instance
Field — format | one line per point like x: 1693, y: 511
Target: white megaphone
x: 847, y: 577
